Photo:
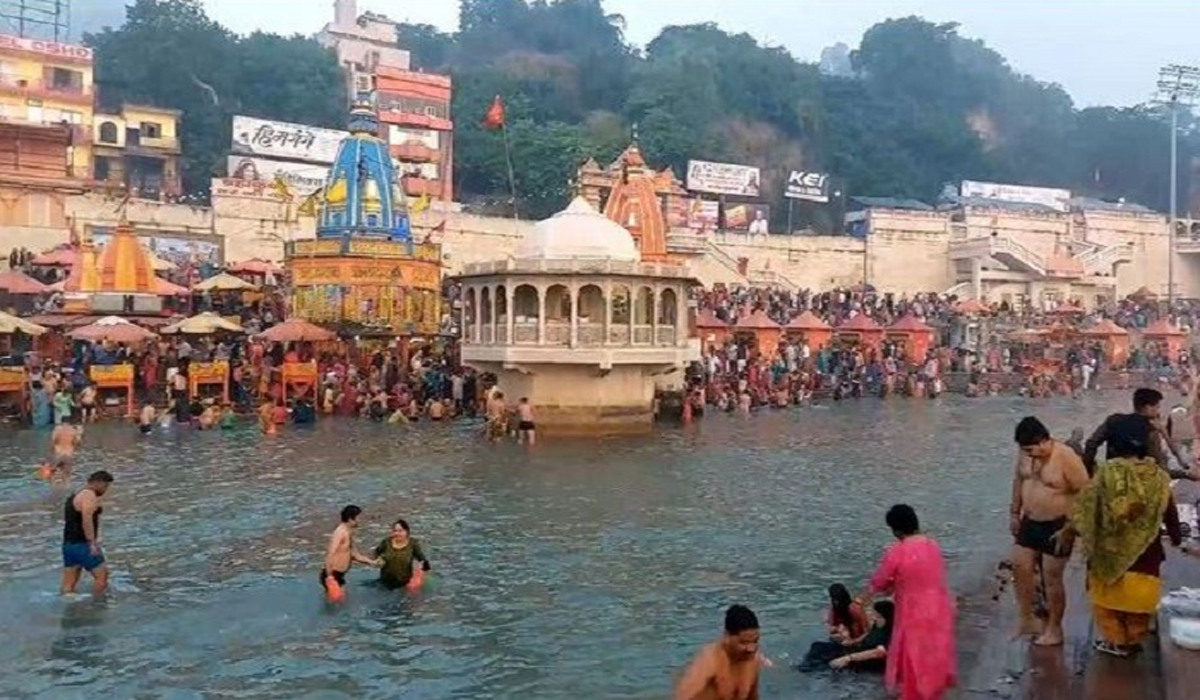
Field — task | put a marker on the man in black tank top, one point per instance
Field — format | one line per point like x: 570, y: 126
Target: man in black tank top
x: 81, y: 535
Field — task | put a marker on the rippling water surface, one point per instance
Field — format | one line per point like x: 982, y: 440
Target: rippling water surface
x: 574, y: 570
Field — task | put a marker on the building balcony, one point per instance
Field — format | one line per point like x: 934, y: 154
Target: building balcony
x: 41, y: 90
x: 415, y: 121
x: 416, y: 153
x: 419, y: 186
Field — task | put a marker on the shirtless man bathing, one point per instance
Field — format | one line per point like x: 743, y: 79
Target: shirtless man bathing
x: 1048, y: 476
x: 64, y: 441
x: 728, y: 668
x: 341, y: 552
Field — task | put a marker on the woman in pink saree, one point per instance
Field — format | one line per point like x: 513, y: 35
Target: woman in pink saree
x: 921, y: 658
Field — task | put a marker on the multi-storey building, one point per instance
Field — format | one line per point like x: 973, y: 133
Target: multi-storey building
x: 414, y: 107
x: 138, y: 150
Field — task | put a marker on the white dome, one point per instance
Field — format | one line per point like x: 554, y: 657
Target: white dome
x: 578, y: 232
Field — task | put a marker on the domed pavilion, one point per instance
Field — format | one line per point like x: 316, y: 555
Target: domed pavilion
x: 577, y: 322
x: 364, y: 274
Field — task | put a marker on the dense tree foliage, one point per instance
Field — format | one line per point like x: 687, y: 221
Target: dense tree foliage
x: 913, y: 107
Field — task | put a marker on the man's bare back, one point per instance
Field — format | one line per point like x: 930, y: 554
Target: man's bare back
x: 64, y: 440
x: 714, y: 676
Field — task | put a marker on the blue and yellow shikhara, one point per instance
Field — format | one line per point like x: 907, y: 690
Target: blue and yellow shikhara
x: 364, y: 272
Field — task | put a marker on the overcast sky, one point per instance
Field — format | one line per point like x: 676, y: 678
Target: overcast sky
x: 1101, y: 51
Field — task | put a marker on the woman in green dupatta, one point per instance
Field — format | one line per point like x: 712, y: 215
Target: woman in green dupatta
x: 1119, y: 517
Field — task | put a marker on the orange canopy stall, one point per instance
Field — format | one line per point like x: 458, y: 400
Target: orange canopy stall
x: 14, y: 381
x: 915, y: 336
x: 1167, y: 335
x: 1114, y: 338
x: 209, y: 374
x: 766, y: 332
x: 114, y: 377
x: 860, y: 330
x: 712, y: 330
x: 299, y: 378
x: 811, y: 329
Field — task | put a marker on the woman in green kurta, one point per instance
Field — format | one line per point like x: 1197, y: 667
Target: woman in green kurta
x: 399, y: 554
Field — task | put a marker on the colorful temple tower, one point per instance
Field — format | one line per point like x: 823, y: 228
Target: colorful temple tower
x: 363, y: 272
x: 119, y: 278
x: 647, y: 203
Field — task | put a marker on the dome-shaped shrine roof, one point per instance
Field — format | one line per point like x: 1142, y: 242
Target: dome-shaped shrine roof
x: 578, y: 232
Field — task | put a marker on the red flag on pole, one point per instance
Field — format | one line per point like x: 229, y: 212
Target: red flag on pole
x: 495, y: 117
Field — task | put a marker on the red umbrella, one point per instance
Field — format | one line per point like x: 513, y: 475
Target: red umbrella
x: 255, y: 266
x: 113, y: 329
x: 163, y: 288
x: 59, y: 257
x: 17, y: 282
x: 295, y: 330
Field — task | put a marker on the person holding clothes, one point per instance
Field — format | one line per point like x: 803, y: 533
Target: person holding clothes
x: 1118, y: 518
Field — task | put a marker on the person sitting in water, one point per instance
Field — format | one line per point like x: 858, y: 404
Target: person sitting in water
x: 208, y: 417
x: 846, y: 620
x: 866, y: 654
x: 303, y: 412
x: 398, y: 553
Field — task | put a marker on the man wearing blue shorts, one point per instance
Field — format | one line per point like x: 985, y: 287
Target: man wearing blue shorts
x: 81, y: 535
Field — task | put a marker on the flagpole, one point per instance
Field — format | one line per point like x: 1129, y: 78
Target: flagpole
x: 512, y: 180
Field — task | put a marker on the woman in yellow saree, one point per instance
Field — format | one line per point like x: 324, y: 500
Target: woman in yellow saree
x: 1118, y: 518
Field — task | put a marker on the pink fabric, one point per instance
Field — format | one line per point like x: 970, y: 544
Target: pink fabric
x: 921, y: 658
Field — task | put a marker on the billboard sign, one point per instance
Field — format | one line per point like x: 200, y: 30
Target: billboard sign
x: 270, y: 139
x: 301, y: 178
x: 750, y: 218
x: 723, y: 178
x: 703, y: 214
x: 246, y: 189
x: 805, y: 184
x: 46, y: 48
x: 1020, y: 194
x: 182, y: 250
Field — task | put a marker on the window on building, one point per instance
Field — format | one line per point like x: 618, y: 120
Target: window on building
x: 72, y: 117
x: 431, y: 111
x: 64, y: 80
x: 109, y: 133
x: 103, y: 166
x: 151, y: 130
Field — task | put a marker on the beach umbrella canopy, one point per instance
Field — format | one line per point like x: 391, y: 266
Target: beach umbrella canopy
x: 64, y: 256
x: 159, y: 265
x: 17, y: 282
x: 295, y: 330
x: 224, y: 282
x: 164, y: 288
x: 971, y: 307
x: 113, y: 329
x: 10, y: 324
x: 206, y: 323
x: 255, y: 266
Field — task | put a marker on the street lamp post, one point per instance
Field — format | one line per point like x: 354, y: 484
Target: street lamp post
x: 1178, y: 85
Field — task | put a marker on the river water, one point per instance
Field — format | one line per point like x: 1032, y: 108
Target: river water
x: 573, y: 570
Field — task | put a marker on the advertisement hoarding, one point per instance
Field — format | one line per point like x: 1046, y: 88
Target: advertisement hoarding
x: 808, y: 185
x: 703, y: 214
x: 749, y: 218
x: 246, y: 189
x: 1020, y: 194
x: 301, y: 178
x: 270, y: 139
x: 182, y: 250
x: 723, y: 178
x: 46, y: 48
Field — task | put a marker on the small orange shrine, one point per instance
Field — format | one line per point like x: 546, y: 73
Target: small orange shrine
x: 712, y: 330
x: 109, y: 378
x: 14, y: 383
x: 1167, y: 335
x: 860, y: 330
x: 647, y: 203
x: 763, y: 329
x: 209, y: 374
x: 913, y: 335
x: 122, y: 268
x: 809, y: 328
x: 1113, y: 338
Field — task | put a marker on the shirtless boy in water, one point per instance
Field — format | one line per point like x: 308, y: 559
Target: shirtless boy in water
x: 726, y: 669
x: 1048, y: 476
x: 63, y: 442
x: 341, y: 550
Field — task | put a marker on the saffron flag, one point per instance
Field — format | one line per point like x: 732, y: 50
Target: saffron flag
x: 495, y: 117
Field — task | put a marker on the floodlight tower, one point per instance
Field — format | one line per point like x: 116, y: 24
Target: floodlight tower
x: 1178, y: 86
x: 36, y: 19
